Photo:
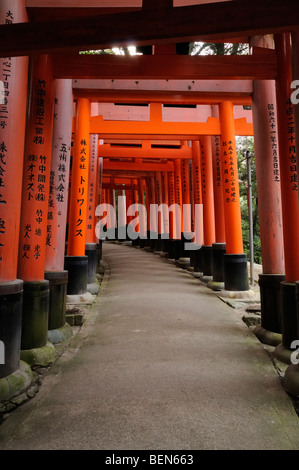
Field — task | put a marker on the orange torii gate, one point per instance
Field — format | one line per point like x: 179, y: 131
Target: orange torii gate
x: 158, y: 129
x: 261, y: 66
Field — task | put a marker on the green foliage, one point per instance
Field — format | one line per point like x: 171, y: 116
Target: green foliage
x: 215, y: 48
x: 245, y: 144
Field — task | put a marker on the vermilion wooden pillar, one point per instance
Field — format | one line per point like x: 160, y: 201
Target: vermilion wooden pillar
x: 264, y: 109
x: 289, y: 195
x: 112, y: 215
x: 136, y: 215
x: 198, y: 206
x: 219, y: 247
x: 186, y: 210
x: 142, y: 213
x: 148, y: 210
x: 172, y: 216
x: 235, y: 261
x: 218, y: 191
x: 92, y: 189
x: 160, y: 219
x: 153, y: 221
x: 34, y: 212
x: 59, y: 330
x: 103, y: 215
x: 165, y: 202
x: 76, y: 262
x: 179, y: 202
x: 291, y: 378
x: 129, y: 203
x: 208, y: 205
x: 91, y: 241
x: 99, y: 201
x: 186, y: 213
x: 121, y: 216
x: 14, y: 75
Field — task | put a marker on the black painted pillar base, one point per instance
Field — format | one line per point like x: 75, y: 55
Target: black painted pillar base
x: 17, y: 383
x: 270, y: 330
x: 184, y: 259
x: 99, y: 254
x: 171, y: 249
x: 35, y: 314
x: 159, y: 243
x: 184, y: 250
x: 121, y: 233
x: 207, y: 266
x: 153, y: 240
x: 165, y: 242
x: 235, y: 272
x: 147, y: 241
x: 289, y: 323
x: 192, y: 258
x: 91, y: 253
x: 177, y: 249
x: 58, y: 329
x: 291, y: 379
x: 135, y: 241
x: 77, y: 267
x: 142, y: 242
x: 128, y: 239
x: 218, y: 252
x: 11, y: 298
x: 35, y: 348
x: 198, y: 266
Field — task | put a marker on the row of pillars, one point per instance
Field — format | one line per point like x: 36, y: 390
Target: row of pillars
x: 38, y: 212
x: 214, y: 184
x: 36, y: 268
x: 207, y: 226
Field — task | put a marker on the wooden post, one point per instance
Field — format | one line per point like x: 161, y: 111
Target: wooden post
x: 59, y: 330
x: 76, y: 262
x: 142, y: 213
x: 14, y: 77
x: 172, y: 215
x: 158, y: 180
x: 91, y: 241
x: 219, y: 247
x: 35, y: 195
x: 179, y: 202
x: 208, y: 205
x: 198, y: 208
x: 264, y: 109
x: 165, y: 202
x: 153, y: 222
x: 235, y: 262
x: 289, y: 195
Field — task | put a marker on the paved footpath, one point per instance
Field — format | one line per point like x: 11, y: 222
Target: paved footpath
x: 161, y: 363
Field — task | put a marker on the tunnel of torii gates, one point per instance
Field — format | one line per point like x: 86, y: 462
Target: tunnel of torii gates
x: 85, y: 132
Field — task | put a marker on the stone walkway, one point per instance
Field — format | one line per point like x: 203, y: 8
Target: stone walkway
x: 160, y: 363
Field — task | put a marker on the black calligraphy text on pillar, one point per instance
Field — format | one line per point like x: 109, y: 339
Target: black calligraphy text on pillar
x: 274, y: 142
x: 218, y: 162
x: 81, y: 188
x: 290, y: 116
x: 36, y: 177
x: 4, y: 115
x: 229, y: 172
